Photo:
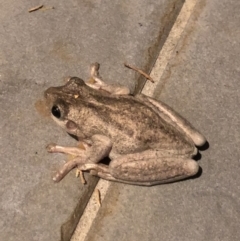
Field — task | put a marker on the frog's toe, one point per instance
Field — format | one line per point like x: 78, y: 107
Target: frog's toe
x: 195, y: 151
x: 65, y: 169
x: 57, y: 177
x: 51, y: 147
x: 198, y: 139
x: 191, y: 167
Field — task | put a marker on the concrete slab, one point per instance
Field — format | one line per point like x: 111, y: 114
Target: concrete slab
x: 202, y: 82
x: 37, y: 50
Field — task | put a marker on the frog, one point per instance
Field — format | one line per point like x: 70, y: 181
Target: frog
x: 147, y: 142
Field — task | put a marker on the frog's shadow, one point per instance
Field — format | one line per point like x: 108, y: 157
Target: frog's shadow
x: 201, y: 148
x: 204, y: 147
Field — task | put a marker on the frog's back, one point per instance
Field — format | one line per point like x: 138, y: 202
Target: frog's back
x: 134, y: 126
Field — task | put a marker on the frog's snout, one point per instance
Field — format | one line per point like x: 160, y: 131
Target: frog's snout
x: 48, y: 92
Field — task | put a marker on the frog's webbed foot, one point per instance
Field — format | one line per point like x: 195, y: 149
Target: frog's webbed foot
x: 96, y: 82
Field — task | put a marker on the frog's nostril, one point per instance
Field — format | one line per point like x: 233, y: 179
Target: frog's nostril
x: 56, y: 111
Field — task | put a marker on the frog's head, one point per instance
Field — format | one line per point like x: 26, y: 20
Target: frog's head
x: 63, y: 103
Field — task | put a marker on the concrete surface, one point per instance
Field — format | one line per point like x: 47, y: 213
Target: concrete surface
x: 202, y: 82
x: 37, y: 50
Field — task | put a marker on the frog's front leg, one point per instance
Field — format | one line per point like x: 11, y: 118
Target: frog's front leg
x: 147, y: 168
x: 74, y: 151
x: 99, y: 84
x: 99, y: 148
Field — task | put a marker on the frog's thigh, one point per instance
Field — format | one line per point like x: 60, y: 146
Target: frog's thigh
x: 152, y: 171
x: 172, y: 117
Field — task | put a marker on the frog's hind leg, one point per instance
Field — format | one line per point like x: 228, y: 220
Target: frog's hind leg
x: 145, y: 169
x: 172, y: 117
x: 66, y: 168
x: 103, y: 171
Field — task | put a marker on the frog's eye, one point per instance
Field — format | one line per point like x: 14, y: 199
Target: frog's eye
x: 56, y: 111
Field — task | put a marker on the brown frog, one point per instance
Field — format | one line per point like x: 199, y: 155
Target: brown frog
x: 147, y: 141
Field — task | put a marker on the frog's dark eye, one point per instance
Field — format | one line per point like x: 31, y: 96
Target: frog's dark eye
x: 56, y: 111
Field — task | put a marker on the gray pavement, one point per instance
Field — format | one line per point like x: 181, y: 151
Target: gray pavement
x: 37, y: 50
x: 202, y: 83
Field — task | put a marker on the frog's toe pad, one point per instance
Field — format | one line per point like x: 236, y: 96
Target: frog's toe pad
x: 191, y: 167
x: 51, y: 147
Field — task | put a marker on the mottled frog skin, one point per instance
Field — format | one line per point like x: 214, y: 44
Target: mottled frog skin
x: 147, y: 141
